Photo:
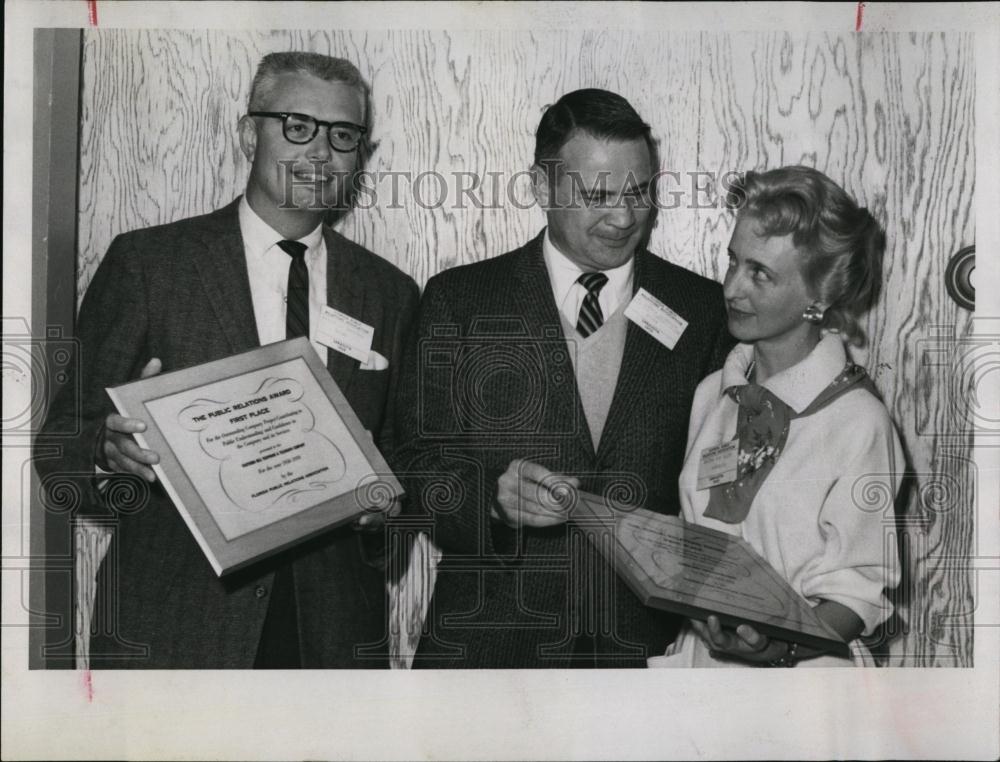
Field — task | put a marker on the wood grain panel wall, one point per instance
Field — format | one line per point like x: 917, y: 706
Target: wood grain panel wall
x: 890, y: 116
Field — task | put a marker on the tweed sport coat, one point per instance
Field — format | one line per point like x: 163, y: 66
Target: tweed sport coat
x: 180, y: 292
x: 487, y: 378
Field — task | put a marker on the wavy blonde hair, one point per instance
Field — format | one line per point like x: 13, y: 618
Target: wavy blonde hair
x: 842, y: 244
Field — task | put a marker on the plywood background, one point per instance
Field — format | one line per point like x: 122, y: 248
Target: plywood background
x: 890, y: 116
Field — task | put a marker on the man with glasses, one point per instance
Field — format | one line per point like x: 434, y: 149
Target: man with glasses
x: 257, y: 271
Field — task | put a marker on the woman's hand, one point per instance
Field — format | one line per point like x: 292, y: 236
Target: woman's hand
x: 748, y: 645
x: 743, y: 643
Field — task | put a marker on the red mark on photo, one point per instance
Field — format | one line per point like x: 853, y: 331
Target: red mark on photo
x: 88, y: 685
x: 92, y: 11
x: 857, y: 19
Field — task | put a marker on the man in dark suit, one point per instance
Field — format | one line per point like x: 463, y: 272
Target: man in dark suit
x: 164, y: 298
x: 525, y: 380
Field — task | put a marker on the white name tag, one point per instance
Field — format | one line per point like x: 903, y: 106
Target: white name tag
x: 343, y: 333
x: 655, y: 318
x: 718, y: 464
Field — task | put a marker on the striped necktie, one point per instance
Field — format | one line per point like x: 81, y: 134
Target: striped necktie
x: 591, y: 318
x: 297, y: 303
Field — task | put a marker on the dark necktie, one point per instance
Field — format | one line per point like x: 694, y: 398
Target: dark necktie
x: 297, y: 303
x: 591, y: 318
x: 279, y: 639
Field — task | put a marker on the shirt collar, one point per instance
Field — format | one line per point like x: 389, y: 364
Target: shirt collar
x: 798, y: 385
x: 259, y: 237
x: 563, y: 273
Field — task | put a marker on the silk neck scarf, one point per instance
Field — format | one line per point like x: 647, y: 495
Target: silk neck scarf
x: 762, y: 428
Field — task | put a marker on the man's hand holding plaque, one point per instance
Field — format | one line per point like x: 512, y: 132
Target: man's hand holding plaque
x: 117, y: 450
x: 258, y: 451
x: 530, y: 495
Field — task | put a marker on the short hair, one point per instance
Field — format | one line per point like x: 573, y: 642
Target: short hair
x: 842, y: 243
x: 327, y: 68
x: 599, y: 113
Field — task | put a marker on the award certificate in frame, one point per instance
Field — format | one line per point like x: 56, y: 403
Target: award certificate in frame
x: 695, y: 571
x: 258, y: 451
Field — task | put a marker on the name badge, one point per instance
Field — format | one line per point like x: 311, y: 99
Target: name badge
x: 655, y: 318
x: 718, y: 465
x: 339, y: 331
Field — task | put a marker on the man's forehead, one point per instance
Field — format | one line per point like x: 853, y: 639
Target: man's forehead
x: 593, y: 157
x: 307, y: 93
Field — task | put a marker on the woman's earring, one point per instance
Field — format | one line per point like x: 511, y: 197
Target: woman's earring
x: 813, y: 314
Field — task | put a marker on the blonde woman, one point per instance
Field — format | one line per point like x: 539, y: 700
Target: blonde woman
x: 809, y: 427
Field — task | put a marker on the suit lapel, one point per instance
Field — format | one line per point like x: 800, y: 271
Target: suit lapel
x: 638, y: 363
x: 344, y: 293
x: 223, y: 271
x: 536, y: 303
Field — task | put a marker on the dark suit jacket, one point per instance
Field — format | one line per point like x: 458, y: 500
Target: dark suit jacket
x: 487, y: 378
x: 180, y: 292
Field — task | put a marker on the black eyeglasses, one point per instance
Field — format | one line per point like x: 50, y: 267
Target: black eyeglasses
x: 302, y: 128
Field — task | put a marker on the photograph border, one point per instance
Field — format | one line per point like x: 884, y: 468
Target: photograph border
x: 911, y: 713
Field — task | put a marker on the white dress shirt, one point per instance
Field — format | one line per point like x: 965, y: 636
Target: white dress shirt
x: 563, y: 273
x: 267, y: 266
